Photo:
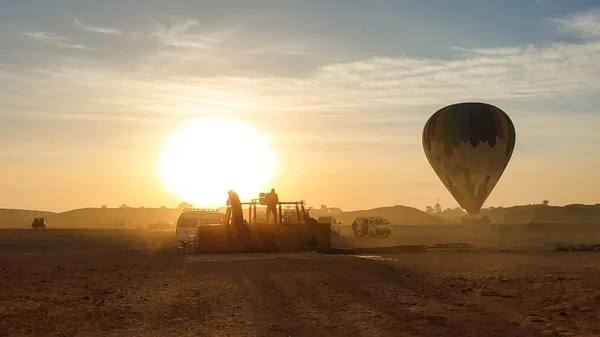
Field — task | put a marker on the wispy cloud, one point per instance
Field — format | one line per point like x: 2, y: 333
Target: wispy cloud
x: 187, y: 47
x: 182, y: 35
x: 373, y: 86
x: 288, y: 47
x: 586, y: 25
x: 529, y: 73
x: 53, y: 39
x: 96, y: 29
x: 138, y: 84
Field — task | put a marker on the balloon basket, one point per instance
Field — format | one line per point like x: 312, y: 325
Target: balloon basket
x: 475, y: 220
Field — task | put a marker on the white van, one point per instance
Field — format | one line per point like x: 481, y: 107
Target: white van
x: 191, y: 218
x: 371, y: 226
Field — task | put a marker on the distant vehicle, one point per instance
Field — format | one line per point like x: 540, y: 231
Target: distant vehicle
x: 371, y: 227
x: 39, y: 223
x: 334, y: 222
x: 469, y: 220
x: 191, y: 218
x: 162, y: 225
x: 121, y: 225
x: 291, y: 216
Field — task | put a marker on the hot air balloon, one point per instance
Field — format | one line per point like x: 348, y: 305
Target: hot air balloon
x: 469, y: 146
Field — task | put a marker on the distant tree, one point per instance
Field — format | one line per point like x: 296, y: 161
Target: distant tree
x: 162, y: 207
x: 545, y: 202
x: 185, y: 205
x: 103, y: 206
x: 335, y: 210
x: 124, y: 206
x: 429, y: 210
x: 437, y: 208
x: 324, y: 208
x: 141, y: 206
x: 450, y: 213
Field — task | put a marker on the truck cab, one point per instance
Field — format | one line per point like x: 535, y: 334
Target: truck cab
x: 333, y: 222
x: 191, y: 218
x: 371, y: 227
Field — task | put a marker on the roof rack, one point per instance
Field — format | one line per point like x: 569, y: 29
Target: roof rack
x: 208, y: 210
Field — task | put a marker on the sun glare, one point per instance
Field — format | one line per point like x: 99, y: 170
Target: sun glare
x: 210, y: 156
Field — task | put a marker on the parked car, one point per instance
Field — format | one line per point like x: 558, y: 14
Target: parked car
x: 39, y: 223
x: 162, y: 225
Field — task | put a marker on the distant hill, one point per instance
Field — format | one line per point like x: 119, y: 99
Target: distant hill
x: 396, y: 215
x: 89, y: 217
x: 107, y: 217
x: 576, y: 213
x: 20, y: 217
x: 402, y: 215
x: 141, y: 217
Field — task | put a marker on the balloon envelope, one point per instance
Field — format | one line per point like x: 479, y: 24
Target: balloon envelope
x: 469, y: 146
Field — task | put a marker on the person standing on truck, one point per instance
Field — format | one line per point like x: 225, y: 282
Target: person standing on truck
x: 237, y: 214
x: 240, y: 234
x: 272, y: 199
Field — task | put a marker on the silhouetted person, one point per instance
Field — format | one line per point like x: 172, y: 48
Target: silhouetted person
x: 272, y: 199
x: 237, y: 214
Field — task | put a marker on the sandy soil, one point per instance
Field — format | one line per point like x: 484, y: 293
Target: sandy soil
x: 130, y: 283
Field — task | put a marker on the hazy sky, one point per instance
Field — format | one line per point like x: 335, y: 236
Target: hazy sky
x: 90, y: 89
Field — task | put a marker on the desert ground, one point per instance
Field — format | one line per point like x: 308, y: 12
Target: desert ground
x: 78, y: 282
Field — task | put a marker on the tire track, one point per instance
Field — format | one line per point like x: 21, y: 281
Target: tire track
x: 428, y: 313
x: 330, y: 309
x: 272, y: 311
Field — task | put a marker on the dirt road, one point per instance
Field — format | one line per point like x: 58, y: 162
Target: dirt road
x: 127, y: 283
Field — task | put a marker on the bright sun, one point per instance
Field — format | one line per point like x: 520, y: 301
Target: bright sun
x: 210, y: 156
